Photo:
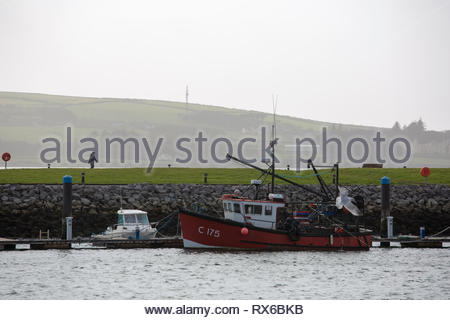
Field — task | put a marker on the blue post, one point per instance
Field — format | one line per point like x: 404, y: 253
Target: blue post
x: 385, y: 204
x: 67, y: 199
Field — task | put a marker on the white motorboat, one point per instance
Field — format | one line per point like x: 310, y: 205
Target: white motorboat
x: 131, y: 225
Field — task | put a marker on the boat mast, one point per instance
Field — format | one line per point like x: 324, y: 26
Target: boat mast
x: 273, y: 162
x: 274, y: 140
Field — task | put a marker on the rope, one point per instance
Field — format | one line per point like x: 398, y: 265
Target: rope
x: 165, y: 217
x: 165, y: 236
x: 440, y: 232
x: 167, y: 222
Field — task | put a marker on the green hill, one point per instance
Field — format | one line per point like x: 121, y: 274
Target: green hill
x: 27, y: 118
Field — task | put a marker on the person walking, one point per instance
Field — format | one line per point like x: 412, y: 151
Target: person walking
x: 92, y: 159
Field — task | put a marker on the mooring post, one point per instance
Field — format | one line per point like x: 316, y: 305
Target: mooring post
x: 390, y: 227
x: 67, y: 202
x: 82, y: 177
x: 422, y: 232
x: 68, y: 228
x: 206, y: 178
x: 385, y: 204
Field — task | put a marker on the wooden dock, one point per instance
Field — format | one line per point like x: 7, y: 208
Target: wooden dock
x: 87, y: 243
x: 427, y: 242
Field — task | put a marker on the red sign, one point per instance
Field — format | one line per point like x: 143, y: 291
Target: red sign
x: 425, y: 172
x: 6, y: 157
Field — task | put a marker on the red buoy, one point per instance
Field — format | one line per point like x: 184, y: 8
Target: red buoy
x: 244, y: 231
x: 425, y: 172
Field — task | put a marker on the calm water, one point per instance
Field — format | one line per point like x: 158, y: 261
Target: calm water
x: 180, y: 274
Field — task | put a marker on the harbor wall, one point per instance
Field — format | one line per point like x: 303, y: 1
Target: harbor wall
x: 26, y: 209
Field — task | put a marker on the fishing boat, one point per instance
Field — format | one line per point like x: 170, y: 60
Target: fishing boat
x: 266, y: 221
x: 131, y: 225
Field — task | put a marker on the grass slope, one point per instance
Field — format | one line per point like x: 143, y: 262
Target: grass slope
x: 363, y: 176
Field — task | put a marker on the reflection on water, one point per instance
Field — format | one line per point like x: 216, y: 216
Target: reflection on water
x: 181, y: 274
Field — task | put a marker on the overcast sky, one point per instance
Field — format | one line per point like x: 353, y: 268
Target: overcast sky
x: 360, y: 62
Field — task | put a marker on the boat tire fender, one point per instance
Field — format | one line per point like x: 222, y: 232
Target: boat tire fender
x: 294, y: 231
x: 294, y: 235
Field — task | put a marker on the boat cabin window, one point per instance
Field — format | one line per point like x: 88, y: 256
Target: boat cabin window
x: 227, y: 206
x: 120, y: 220
x: 268, y: 211
x: 130, y: 218
x: 253, y: 209
x: 237, y: 208
x: 142, y: 218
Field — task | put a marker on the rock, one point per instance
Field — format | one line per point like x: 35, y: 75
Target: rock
x: 98, y: 195
x: 415, y: 204
x: 446, y: 208
x: 402, y: 203
x: 431, y: 203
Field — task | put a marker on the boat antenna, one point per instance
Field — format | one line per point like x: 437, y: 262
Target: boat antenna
x: 120, y: 198
x: 273, y: 142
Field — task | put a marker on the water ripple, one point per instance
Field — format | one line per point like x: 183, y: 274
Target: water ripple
x: 181, y: 274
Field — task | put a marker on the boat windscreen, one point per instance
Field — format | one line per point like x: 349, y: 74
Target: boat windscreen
x: 130, y: 219
x: 142, y: 218
x: 120, y: 219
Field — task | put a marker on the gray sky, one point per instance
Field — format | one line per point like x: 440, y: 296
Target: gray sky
x: 361, y: 62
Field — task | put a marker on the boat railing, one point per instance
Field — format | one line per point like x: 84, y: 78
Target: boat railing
x: 133, y: 226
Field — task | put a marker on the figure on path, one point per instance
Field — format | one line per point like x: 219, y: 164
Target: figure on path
x: 92, y: 159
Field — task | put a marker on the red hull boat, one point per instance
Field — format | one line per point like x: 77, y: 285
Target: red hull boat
x: 269, y: 223
x: 204, y: 231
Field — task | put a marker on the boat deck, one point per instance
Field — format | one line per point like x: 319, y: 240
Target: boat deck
x: 427, y: 242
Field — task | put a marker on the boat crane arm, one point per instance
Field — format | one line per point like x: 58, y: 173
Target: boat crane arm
x: 230, y: 157
x: 326, y: 191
